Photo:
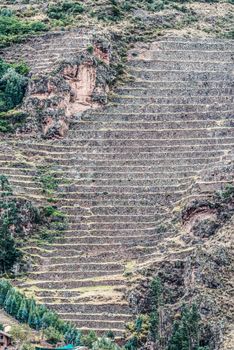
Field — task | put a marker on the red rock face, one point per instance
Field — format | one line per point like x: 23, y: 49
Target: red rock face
x: 59, y: 98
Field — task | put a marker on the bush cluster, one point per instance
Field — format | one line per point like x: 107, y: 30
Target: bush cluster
x: 13, y: 29
x: 64, y: 10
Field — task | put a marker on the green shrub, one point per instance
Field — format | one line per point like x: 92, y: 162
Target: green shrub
x: 10, y: 120
x: 13, y: 86
x: 63, y: 10
x: 13, y: 83
x: 13, y: 29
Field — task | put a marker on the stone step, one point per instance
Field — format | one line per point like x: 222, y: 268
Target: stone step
x: 184, y: 55
x: 167, y: 92
x: 151, y: 162
x: 97, y: 316
x: 63, y: 153
x: 157, y: 134
x: 96, y: 308
x: 76, y: 267
x: 106, y: 239
x: 197, y: 44
x: 180, y: 84
x: 168, y: 142
x: 173, y: 100
x: 97, y: 324
x: 177, y: 117
x: 86, y: 159
x: 182, y: 66
x: 74, y: 293
x: 60, y: 275
x: 168, y: 108
x: 95, y: 146
x: 157, y: 125
x: 109, y: 210
x: 69, y: 284
x: 178, y: 75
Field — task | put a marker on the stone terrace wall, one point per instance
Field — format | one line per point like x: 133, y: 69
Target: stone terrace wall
x: 43, y: 53
x: 122, y: 170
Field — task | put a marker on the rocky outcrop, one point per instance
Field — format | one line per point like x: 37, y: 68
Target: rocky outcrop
x: 76, y: 86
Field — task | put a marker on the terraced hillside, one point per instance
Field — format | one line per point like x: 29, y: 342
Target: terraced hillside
x: 43, y: 53
x: 122, y: 169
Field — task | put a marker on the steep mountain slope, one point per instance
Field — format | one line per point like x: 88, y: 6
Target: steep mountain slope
x: 142, y: 172
x: 122, y: 169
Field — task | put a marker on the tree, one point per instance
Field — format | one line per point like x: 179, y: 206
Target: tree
x: 89, y: 339
x: 186, y: 331
x: 9, y: 253
x: 13, y: 86
x: 154, y: 317
x: 22, y: 314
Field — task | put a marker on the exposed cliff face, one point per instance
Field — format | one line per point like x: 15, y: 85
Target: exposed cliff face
x: 53, y: 100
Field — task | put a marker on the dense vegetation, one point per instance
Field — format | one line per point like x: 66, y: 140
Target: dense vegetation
x: 14, y: 29
x: 13, y: 83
